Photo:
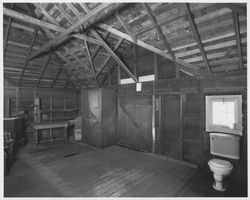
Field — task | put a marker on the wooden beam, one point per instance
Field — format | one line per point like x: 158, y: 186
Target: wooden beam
x: 68, y: 51
x: 69, y: 79
x: 110, y: 71
x: 91, y: 62
x: 31, y: 20
x: 197, y: 37
x: 52, y: 20
x: 118, y: 75
x: 238, y: 39
x: 45, y: 13
x: 118, y: 60
x: 44, y: 31
x: 156, y: 66
x: 99, y: 47
x: 85, y: 7
x: 44, y: 68
x: 190, y: 69
x: 109, y: 57
x: 159, y: 30
x: 57, y: 75
x: 84, y: 37
x: 241, y: 10
x: 65, y: 33
x: 7, y: 32
x: 29, y: 52
x: 126, y: 26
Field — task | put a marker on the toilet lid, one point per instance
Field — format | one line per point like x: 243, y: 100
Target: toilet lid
x: 220, y: 163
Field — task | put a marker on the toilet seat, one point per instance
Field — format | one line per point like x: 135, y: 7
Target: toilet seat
x: 220, y: 163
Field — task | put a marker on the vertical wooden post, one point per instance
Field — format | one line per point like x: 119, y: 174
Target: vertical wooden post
x: 154, y: 132
x: 181, y: 125
x: 64, y: 103
x: 50, y: 112
x: 153, y: 123
x: 160, y: 121
x: 156, y: 66
x: 8, y: 107
x: 17, y: 99
x: 119, y: 75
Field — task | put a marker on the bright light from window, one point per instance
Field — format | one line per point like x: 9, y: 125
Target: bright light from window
x: 147, y: 78
x: 141, y: 79
x: 223, y: 114
x: 127, y: 81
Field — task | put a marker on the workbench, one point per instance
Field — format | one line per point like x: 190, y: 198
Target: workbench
x: 51, y: 125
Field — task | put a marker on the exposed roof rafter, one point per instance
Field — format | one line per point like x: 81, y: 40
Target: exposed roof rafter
x: 185, y: 67
x: 7, y: 32
x: 29, y: 53
x: 126, y: 26
x: 64, y: 35
x: 197, y: 37
x: 44, y: 68
x: 117, y: 59
x: 91, y: 62
x: 56, y: 77
x: 109, y: 57
x: 234, y: 7
x: 159, y: 30
x: 238, y: 39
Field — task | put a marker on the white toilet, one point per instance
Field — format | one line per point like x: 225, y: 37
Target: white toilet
x: 224, y: 145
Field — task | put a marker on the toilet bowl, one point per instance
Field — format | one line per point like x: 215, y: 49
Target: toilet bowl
x: 220, y: 168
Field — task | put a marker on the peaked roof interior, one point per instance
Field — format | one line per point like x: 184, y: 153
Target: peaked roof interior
x: 77, y: 44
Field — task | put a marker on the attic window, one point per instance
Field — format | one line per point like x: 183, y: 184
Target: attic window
x: 146, y: 78
x: 224, y: 114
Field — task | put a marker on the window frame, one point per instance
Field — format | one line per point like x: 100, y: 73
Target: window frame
x: 209, y: 99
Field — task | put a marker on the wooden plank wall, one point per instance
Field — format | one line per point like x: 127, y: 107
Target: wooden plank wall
x: 56, y: 105
x: 170, y: 126
x: 134, y: 121
x: 191, y: 143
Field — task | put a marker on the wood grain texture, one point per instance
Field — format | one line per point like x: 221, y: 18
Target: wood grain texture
x: 112, y: 172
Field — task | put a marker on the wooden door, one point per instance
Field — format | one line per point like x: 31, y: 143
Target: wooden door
x: 134, y: 127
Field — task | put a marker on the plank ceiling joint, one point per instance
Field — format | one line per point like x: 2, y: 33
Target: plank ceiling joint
x: 159, y: 30
x: 241, y: 10
x: 44, y: 68
x: 197, y: 37
x: 117, y: 59
x: 91, y: 63
x: 126, y: 26
x: 190, y: 69
x: 29, y: 53
x: 238, y: 39
x: 65, y: 33
x: 7, y: 31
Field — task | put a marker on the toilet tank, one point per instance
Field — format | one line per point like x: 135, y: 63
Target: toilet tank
x: 225, y: 145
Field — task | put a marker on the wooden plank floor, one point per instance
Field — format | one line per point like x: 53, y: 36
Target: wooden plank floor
x: 71, y: 170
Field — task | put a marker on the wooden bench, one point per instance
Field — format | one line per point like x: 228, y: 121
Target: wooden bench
x: 52, y: 125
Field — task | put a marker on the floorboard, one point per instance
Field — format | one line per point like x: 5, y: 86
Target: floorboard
x: 57, y: 169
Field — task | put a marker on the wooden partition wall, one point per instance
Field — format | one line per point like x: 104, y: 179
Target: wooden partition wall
x: 178, y: 112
